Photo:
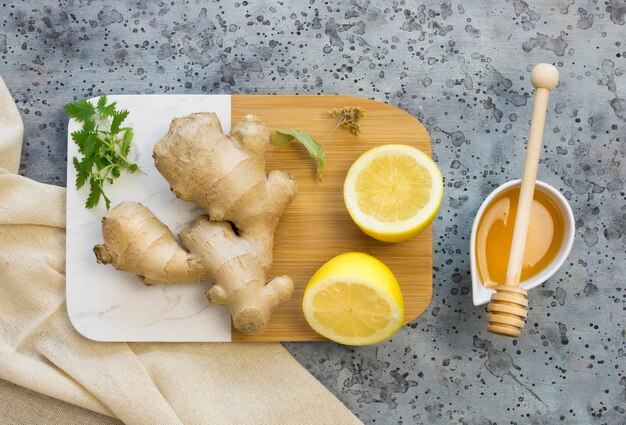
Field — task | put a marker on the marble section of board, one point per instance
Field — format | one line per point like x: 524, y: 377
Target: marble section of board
x: 462, y: 68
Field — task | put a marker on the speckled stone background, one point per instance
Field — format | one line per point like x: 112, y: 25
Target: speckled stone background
x: 462, y: 68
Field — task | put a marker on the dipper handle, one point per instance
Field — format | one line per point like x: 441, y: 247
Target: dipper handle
x: 508, y: 305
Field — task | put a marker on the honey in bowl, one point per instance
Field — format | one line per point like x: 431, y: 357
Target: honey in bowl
x: 495, y: 233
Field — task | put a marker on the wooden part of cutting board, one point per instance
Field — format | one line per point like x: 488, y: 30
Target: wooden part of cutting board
x: 316, y: 226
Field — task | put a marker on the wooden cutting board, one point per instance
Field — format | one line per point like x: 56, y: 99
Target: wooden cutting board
x: 316, y: 226
x: 106, y: 305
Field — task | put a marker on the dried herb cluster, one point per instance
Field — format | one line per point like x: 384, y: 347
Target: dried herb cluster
x: 349, y: 117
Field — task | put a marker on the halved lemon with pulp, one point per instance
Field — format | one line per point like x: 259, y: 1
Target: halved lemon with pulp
x: 393, y: 192
x: 354, y: 299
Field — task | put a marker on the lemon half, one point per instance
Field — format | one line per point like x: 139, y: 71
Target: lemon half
x: 354, y: 299
x: 393, y: 192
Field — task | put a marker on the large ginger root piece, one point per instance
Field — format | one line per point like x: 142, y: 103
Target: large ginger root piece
x: 225, y: 175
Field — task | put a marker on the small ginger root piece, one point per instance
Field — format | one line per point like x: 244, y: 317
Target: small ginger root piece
x: 137, y: 242
x: 232, y: 245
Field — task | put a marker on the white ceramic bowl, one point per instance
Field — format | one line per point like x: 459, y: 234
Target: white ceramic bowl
x: 482, y: 295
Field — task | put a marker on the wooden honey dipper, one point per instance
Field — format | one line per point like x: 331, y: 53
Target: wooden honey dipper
x: 507, y: 310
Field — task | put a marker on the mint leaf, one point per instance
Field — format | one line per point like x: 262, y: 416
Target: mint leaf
x: 126, y: 141
x: 89, y: 126
x: 105, y: 110
x: 107, y: 201
x: 87, y: 165
x: 95, y: 190
x: 285, y: 137
x: 118, y: 119
x: 102, y: 101
x: 95, y: 193
x: 79, y: 137
x: 81, y: 175
x: 80, y: 111
x: 104, y: 152
x: 90, y: 144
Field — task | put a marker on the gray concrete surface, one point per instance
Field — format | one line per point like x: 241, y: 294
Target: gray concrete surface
x: 462, y: 68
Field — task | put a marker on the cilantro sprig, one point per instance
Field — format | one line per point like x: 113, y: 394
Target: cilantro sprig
x: 104, y: 145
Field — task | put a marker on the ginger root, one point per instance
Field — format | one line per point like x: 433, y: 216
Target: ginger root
x: 232, y: 245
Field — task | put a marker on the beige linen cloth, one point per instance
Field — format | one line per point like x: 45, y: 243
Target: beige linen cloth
x: 45, y: 364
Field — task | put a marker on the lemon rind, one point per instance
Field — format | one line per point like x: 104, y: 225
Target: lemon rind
x: 396, y: 319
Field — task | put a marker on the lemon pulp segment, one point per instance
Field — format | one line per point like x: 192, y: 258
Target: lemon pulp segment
x: 393, y: 187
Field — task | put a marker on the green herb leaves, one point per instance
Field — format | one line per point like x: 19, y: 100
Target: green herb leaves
x: 81, y: 110
x: 285, y: 137
x: 104, y: 145
x: 348, y: 117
